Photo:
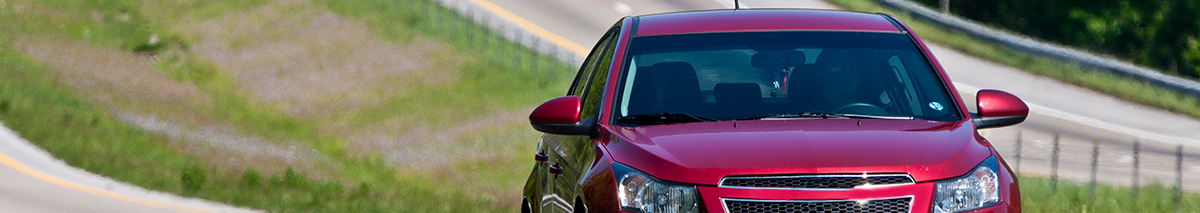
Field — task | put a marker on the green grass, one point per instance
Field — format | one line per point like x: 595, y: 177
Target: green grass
x: 1037, y: 195
x: 1117, y: 86
x: 504, y: 75
x: 35, y: 103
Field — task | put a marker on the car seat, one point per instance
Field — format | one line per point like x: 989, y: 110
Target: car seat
x: 665, y: 87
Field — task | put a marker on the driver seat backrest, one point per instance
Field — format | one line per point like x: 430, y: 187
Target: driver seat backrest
x: 665, y: 87
x: 875, y: 80
x: 804, y: 88
x: 738, y: 97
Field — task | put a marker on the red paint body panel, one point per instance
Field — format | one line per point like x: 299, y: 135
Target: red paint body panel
x: 999, y: 103
x: 559, y: 110
x: 761, y: 20
x: 703, y: 153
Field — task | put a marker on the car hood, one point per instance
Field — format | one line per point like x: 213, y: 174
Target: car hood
x: 705, y: 152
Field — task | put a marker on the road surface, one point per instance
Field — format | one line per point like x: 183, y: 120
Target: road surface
x: 33, y: 181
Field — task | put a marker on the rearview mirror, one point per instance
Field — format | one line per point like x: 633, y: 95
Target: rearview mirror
x: 561, y: 116
x: 998, y: 109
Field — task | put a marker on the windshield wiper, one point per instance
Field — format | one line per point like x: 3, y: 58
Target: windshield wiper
x: 824, y: 115
x: 876, y: 116
x: 795, y: 115
x: 666, y: 117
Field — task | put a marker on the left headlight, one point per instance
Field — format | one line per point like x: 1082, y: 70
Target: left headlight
x: 978, y: 189
x: 642, y: 193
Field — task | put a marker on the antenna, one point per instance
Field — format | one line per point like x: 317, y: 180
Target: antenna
x: 736, y: 5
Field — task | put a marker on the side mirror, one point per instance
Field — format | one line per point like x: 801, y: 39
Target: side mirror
x: 998, y: 109
x: 561, y: 116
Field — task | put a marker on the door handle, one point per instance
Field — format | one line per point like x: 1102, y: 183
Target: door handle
x: 555, y: 169
x: 541, y: 157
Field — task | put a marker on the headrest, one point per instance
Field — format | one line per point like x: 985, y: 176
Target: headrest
x: 737, y: 93
x: 777, y: 59
x: 837, y: 57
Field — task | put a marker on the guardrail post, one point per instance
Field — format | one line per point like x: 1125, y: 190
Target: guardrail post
x: 1095, y: 162
x: 521, y: 60
x: 1054, y: 166
x: 470, y: 14
x: 1137, y: 146
x: 1179, y: 178
x: 554, y: 52
x: 1018, y: 168
x: 945, y: 6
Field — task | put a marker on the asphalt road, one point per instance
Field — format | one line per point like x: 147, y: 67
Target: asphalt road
x: 1079, y: 116
x: 33, y: 181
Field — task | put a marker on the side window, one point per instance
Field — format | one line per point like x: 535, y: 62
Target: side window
x: 591, y: 98
x: 588, y: 69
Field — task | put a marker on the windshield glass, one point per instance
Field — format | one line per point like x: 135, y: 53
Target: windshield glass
x: 758, y: 75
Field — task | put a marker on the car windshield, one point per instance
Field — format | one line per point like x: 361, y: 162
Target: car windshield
x: 785, y: 75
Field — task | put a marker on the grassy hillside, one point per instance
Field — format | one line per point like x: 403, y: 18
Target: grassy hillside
x: 259, y: 104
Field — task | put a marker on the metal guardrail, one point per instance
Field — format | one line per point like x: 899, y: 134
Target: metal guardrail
x: 501, y: 22
x: 1029, y: 45
x: 1079, y: 154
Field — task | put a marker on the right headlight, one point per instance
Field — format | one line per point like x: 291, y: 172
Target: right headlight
x: 639, y: 192
x: 978, y: 189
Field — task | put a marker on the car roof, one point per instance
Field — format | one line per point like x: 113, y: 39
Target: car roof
x: 762, y: 20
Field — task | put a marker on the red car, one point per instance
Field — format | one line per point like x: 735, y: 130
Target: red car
x: 768, y: 111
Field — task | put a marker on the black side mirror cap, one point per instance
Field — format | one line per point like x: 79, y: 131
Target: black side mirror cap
x: 583, y: 127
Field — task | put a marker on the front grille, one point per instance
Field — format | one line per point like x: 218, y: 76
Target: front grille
x: 817, y: 181
x: 895, y: 205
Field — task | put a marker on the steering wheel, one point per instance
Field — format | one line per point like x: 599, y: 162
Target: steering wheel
x: 870, y: 109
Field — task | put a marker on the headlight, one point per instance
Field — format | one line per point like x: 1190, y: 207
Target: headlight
x: 639, y: 192
x: 979, y: 188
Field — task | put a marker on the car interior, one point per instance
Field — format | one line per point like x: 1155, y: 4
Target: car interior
x: 836, y: 81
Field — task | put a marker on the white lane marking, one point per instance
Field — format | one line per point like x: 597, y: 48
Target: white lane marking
x: 1092, y: 122
x: 622, y: 8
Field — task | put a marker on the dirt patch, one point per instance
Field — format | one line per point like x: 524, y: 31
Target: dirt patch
x: 430, y: 150
x: 442, y: 153
x: 235, y: 152
x: 313, y: 63
x: 138, y: 94
x: 113, y: 77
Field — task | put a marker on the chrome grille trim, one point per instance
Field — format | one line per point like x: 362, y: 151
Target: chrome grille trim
x: 907, y: 203
x: 903, y: 179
